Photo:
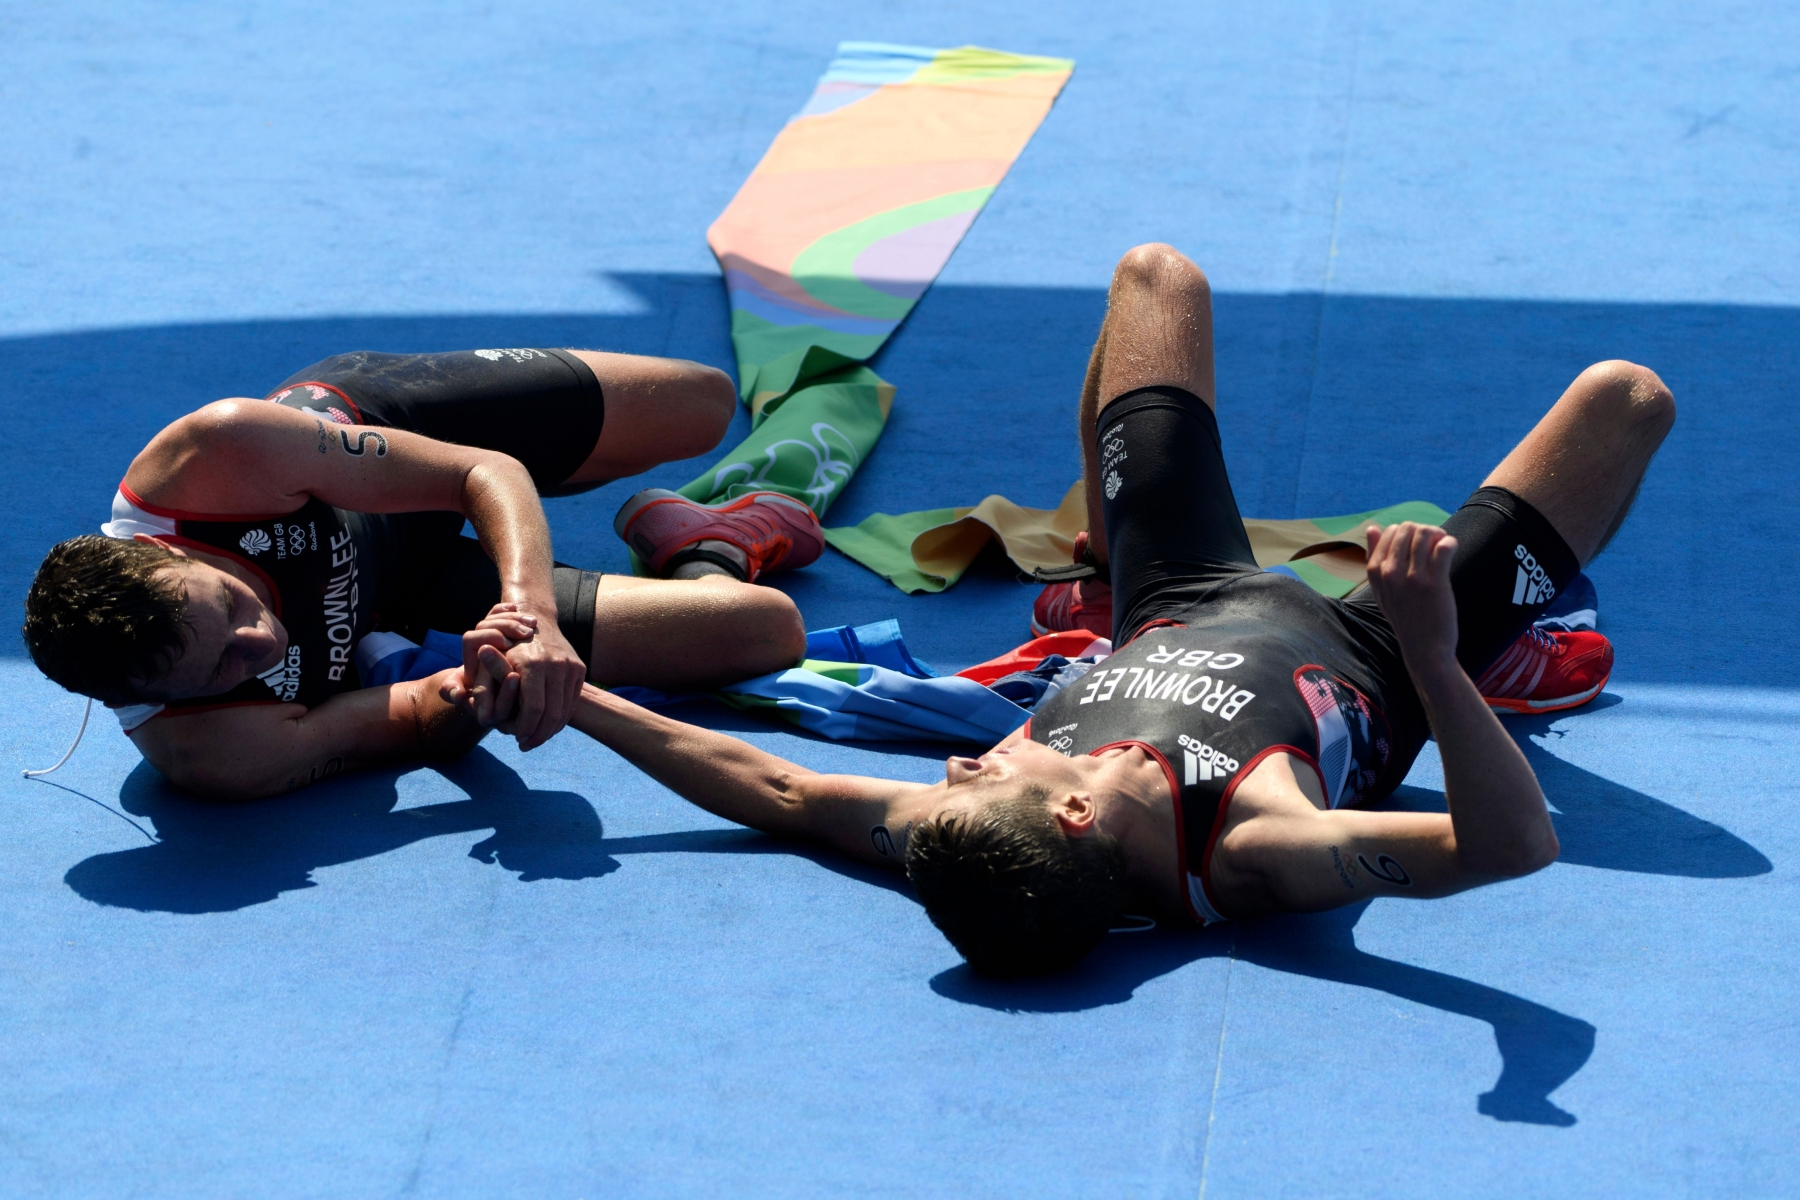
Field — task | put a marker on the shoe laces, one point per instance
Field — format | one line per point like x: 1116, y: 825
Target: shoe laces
x: 1543, y: 641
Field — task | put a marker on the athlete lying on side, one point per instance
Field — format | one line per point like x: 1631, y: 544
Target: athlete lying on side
x: 1208, y: 769
x: 255, y: 547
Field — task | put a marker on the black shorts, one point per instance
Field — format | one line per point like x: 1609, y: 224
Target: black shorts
x: 1176, y: 533
x: 542, y: 407
x: 425, y: 575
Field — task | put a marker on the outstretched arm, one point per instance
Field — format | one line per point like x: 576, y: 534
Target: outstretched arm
x: 247, y: 456
x: 854, y: 814
x: 857, y: 815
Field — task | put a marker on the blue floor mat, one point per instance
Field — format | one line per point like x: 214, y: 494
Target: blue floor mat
x: 545, y: 975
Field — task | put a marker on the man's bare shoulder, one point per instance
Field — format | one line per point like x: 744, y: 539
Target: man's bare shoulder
x: 204, y: 725
x: 206, y: 749
x: 1283, y: 850
x: 214, y: 459
x: 240, y: 751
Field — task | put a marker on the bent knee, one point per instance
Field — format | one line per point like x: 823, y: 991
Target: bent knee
x: 783, y: 629
x: 1159, y: 266
x: 711, y: 403
x: 770, y: 634
x: 717, y: 399
x: 1630, y: 393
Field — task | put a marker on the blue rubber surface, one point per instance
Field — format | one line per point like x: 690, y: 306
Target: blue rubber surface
x: 546, y: 976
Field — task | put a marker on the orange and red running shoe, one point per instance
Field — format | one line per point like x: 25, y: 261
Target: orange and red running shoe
x: 752, y: 535
x: 1545, y: 671
x: 1077, y: 603
x: 1082, y: 604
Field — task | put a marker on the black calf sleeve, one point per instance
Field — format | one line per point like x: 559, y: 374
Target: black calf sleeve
x: 1510, y: 564
x: 575, y: 592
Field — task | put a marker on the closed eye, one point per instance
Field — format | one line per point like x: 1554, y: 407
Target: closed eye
x: 230, y: 607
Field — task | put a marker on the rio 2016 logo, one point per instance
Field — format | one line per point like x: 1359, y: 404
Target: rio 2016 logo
x: 827, y: 462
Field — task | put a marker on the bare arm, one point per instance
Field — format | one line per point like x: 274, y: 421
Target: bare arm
x: 1497, y: 809
x: 1498, y: 826
x: 733, y: 779
x: 249, y: 751
x: 248, y: 456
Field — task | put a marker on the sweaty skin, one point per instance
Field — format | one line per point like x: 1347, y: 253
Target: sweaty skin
x: 1281, y: 849
x: 233, y: 635
x: 246, y: 456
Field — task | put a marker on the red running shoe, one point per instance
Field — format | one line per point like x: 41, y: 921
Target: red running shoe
x: 1077, y: 604
x: 1544, y: 671
x: 1082, y: 604
x: 757, y: 533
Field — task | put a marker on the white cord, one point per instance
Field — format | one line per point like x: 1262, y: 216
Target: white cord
x: 85, y: 714
x: 1147, y: 924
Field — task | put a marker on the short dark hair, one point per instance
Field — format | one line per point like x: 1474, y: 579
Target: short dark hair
x: 105, y: 615
x: 1014, y: 893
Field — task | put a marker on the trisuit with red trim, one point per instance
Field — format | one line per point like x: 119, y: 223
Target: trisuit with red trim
x: 1227, y: 683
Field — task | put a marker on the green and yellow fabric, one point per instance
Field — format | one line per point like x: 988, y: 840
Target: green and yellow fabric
x: 929, y: 551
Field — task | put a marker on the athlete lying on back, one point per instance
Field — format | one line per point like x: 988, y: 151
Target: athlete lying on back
x: 1213, y: 765
x: 255, y: 547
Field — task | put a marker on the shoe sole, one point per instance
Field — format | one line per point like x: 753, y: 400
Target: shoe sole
x: 1524, y: 707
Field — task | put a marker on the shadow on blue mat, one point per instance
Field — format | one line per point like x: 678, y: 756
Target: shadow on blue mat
x: 217, y: 858
x: 1540, y: 1048
x: 221, y: 857
x: 1608, y: 825
x: 208, y: 857
x: 1600, y: 823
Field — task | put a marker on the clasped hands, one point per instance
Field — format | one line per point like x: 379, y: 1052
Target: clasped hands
x: 517, y: 677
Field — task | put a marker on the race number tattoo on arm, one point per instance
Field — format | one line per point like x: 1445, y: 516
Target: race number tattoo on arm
x: 886, y: 844
x: 1386, y: 869
x: 324, y: 437
x: 362, y: 438
x: 325, y: 770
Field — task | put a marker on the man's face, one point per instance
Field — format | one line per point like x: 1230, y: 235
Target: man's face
x: 232, y: 636
x: 969, y: 783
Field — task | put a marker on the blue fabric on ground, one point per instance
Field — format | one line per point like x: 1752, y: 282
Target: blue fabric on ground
x: 544, y: 975
x: 881, y: 705
x: 860, y: 683
x: 384, y: 658
x: 901, y: 701
x: 879, y: 643
x: 1052, y: 674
